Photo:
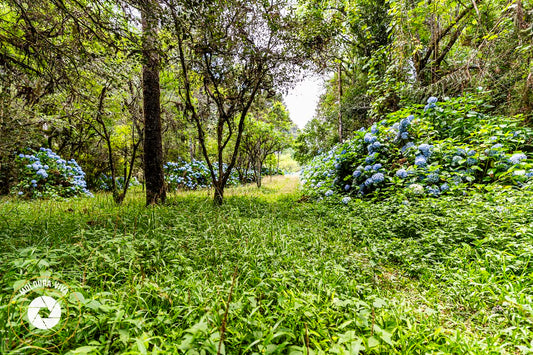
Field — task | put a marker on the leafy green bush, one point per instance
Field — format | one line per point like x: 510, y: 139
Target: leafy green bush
x: 44, y: 174
x: 437, y: 149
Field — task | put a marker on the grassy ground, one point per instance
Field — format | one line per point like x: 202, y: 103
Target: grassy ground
x: 273, y: 273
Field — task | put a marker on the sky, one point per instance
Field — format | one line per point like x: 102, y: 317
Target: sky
x: 301, y: 101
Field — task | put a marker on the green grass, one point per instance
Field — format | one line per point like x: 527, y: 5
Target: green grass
x: 452, y: 275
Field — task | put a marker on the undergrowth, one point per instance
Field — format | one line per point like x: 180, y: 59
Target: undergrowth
x: 448, y: 275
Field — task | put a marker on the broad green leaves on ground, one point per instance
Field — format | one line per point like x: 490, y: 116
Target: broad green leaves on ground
x: 448, y: 275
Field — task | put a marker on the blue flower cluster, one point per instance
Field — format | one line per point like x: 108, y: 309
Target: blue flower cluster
x: 431, y: 103
x: 399, y: 155
x: 195, y: 175
x: 45, y: 174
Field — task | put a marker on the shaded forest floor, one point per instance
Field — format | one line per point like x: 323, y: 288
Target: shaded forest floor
x: 450, y: 275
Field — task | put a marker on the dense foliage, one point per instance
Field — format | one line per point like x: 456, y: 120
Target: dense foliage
x: 436, y: 149
x: 387, y: 55
x: 196, y: 175
x: 192, y: 176
x: 105, y: 184
x: 46, y: 174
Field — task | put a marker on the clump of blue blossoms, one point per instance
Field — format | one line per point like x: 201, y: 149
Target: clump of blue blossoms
x: 402, y: 173
x: 193, y: 175
x: 431, y: 103
x: 44, y: 174
x: 408, y: 153
x: 517, y: 158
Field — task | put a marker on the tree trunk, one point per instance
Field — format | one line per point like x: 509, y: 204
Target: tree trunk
x: 258, y: 179
x: 153, y: 147
x: 339, y: 79
x: 219, y: 193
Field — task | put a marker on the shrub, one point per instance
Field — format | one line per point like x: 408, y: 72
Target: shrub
x: 44, y: 174
x: 192, y: 176
x: 104, y: 182
x: 195, y: 175
x: 437, y: 149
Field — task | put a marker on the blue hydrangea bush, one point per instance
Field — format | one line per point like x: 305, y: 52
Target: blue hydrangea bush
x: 44, y: 174
x: 193, y: 175
x: 440, y: 148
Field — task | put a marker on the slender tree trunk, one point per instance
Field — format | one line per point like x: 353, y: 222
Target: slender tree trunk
x: 153, y: 147
x: 339, y: 79
x: 277, y: 169
x: 219, y: 193
x: 258, y: 179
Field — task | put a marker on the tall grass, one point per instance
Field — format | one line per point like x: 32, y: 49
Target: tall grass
x: 451, y: 275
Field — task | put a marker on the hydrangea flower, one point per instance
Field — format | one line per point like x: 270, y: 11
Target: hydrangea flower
x: 42, y: 173
x: 329, y: 193
x: 373, y: 147
x: 378, y: 177
x: 517, y: 158
x: 433, y: 190
x: 444, y: 187
x: 471, y: 161
x: 347, y: 188
x: 370, y: 138
x: 369, y: 182
x: 377, y: 166
x: 404, y: 124
x: 346, y: 199
x: 368, y: 167
x: 433, y: 178
x: 420, y: 160
x: 401, y: 173
x: 405, y: 135
x: 417, y: 189
x: 374, y: 129
x: 432, y: 100
x: 370, y: 159
x: 356, y: 173
x: 431, y: 103
x: 425, y: 149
